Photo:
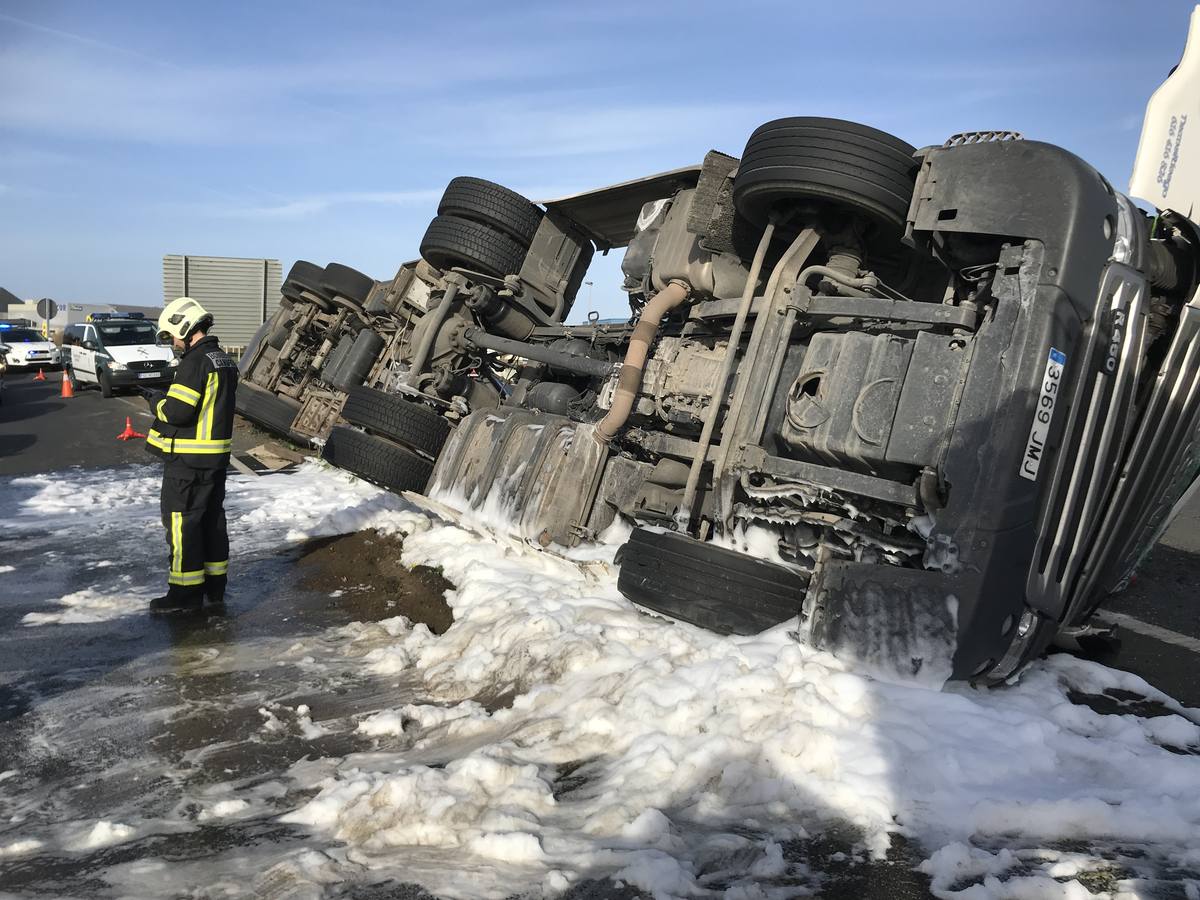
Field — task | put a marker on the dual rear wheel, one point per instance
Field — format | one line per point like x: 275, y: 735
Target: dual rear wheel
x: 398, y: 444
x: 482, y: 227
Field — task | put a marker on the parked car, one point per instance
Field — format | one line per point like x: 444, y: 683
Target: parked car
x: 29, y: 349
x: 116, y: 352
x: 930, y: 407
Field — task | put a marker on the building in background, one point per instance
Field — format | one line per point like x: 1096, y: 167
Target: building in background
x: 68, y: 314
x: 7, y: 298
x: 240, y: 293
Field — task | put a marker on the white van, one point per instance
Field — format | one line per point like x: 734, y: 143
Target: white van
x: 117, y: 352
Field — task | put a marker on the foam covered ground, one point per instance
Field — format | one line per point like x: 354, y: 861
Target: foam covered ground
x: 556, y: 733
x: 105, y: 524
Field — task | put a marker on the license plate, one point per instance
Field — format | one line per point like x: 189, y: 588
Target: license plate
x: 147, y: 375
x: 1043, y: 415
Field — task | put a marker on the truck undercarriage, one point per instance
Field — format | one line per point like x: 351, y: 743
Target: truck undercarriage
x: 928, y: 408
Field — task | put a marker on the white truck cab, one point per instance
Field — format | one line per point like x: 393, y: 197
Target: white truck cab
x: 117, y: 352
x: 1166, y: 171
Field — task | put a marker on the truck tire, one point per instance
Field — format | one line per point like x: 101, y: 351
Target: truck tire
x: 304, y: 276
x: 353, y: 306
x: 278, y: 334
x: 847, y: 165
x: 272, y: 412
x: 377, y: 460
x: 250, y: 354
x: 491, y: 204
x: 403, y: 421
x: 347, y: 282
x: 106, y: 388
x: 336, y: 358
x: 451, y: 242
x: 354, y: 367
x: 718, y: 589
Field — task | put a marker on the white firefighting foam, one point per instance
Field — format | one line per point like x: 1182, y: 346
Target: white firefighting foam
x: 679, y: 742
x: 562, y: 734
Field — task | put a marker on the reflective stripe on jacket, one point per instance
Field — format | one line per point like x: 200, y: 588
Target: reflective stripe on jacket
x: 194, y: 422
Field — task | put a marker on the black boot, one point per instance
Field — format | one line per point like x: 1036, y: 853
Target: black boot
x: 214, y: 588
x: 178, y: 599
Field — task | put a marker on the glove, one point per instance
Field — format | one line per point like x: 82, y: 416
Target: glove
x: 152, y: 398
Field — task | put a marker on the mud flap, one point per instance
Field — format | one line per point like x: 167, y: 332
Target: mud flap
x: 899, y: 624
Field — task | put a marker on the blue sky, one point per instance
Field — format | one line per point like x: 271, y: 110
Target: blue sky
x: 327, y: 131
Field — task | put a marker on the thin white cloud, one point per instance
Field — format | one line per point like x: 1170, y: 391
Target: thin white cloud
x: 590, y: 124
x: 52, y: 90
x: 579, y: 125
x: 314, y: 204
x: 64, y: 84
x: 1131, y: 122
x: 32, y: 158
x: 26, y: 192
x: 80, y: 39
x: 57, y: 92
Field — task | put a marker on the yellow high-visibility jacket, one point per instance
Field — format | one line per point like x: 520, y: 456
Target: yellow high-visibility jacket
x: 194, y: 422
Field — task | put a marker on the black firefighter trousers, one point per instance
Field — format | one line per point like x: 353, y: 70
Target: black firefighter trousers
x: 193, y: 514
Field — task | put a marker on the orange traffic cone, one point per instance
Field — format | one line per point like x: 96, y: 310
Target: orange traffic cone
x: 40, y: 376
x: 129, y: 434
x: 67, y: 390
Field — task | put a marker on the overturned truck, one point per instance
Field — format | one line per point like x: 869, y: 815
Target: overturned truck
x: 931, y: 407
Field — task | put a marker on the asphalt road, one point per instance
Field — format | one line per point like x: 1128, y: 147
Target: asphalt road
x: 41, y: 431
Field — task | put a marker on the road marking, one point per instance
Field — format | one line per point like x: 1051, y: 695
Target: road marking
x: 140, y: 412
x: 1166, y: 635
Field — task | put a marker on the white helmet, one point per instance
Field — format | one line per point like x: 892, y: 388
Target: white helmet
x: 181, y: 317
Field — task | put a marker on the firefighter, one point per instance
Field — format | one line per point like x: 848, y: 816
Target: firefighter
x: 193, y: 433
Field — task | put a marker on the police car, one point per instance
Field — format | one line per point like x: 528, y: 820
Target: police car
x: 4, y: 348
x: 27, y: 347
x: 117, y: 351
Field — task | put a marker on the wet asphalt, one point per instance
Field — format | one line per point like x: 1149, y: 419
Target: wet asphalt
x: 143, y: 722
x: 41, y: 431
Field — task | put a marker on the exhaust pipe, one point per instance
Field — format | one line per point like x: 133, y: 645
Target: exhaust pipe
x: 630, y: 380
